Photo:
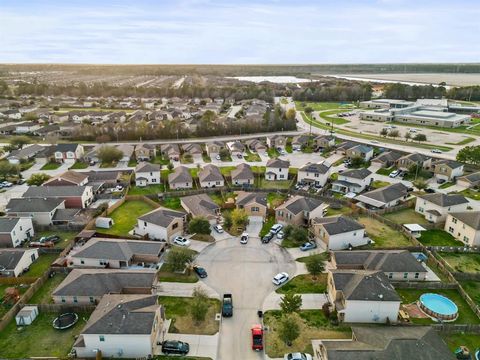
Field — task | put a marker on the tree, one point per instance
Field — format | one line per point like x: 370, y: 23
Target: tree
x: 178, y: 258
x: 296, y: 233
x: 38, y: 179
x: 420, y: 183
x: 384, y: 132
x: 224, y: 153
x: 199, y: 307
x: 109, y: 154
x: 291, y: 302
x: 291, y: 114
x: 19, y: 142
x: 315, y: 265
x: 308, y: 110
x: 289, y: 329
x: 170, y: 166
x: 7, y: 169
x: 239, y: 218
x: 199, y: 225
x: 420, y: 137
x: 469, y: 154
x: 357, y: 161
x: 394, y: 133
x: 407, y: 136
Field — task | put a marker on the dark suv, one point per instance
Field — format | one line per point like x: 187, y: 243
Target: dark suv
x: 266, y: 239
x: 174, y: 347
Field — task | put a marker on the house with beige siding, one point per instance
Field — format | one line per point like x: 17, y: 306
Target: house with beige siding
x: 469, y: 181
x: 299, y: 210
x: 201, y: 205
x: 435, y: 207
x: 254, y: 204
x: 180, y: 178
x: 161, y: 224
x: 242, y: 175
x: 407, y: 161
x: 210, y: 176
x: 447, y: 170
x: 464, y: 226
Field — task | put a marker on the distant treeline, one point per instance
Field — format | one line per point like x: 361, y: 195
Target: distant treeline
x: 244, y: 70
x: 334, y: 92
x: 413, y: 92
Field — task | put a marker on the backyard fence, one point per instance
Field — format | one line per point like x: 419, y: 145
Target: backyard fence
x: 466, y: 276
x: 457, y: 328
x: 426, y: 285
x: 63, y: 308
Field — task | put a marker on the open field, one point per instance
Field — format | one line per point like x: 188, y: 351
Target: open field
x: 406, y: 216
x: 305, y: 284
x: 150, y: 189
x: 454, y: 79
x: 382, y: 234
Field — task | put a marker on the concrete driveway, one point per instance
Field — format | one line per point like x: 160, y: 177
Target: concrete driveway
x: 246, y: 271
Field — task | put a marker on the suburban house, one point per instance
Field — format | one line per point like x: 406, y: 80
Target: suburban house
x: 25, y: 154
x: 387, y: 159
x: 254, y: 204
x: 447, y: 170
x: 145, y: 152
x: 122, y: 326
x: 409, y: 160
x: 277, y: 142
x: 257, y: 146
x: 15, y: 230
x: 464, y: 226
x: 299, y: 142
x: 201, y: 206
x: 469, y: 181
x: 13, y: 262
x: 180, y: 178
x: 68, y: 178
x: 242, y: 175
x: 26, y: 127
x: 398, y: 265
x: 210, y: 176
x: 160, y: 224
x: 324, y: 141
x: 384, y: 197
x: 195, y: 150
x: 352, y: 181
x: 339, y: 232
x: 360, y: 151
x: 41, y: 211
x: 435, y: 207
x: 88, y: 286
x: 300, y: 210
x: 236, y: 148
x: 314, y: 174
x: 363, y: 296
x: 147, y: 174
x: 68, y: 152
x: 76, y: 197
x: 344, y: 146
x: 127, y: 151
x: 214, y: 147
x: 386, y: 342
x: 277, y: 169
x: 171, y: 151
x: 115, y: 253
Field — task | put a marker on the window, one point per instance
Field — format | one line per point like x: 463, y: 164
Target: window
x: 390, y: 276
x: 101, y: 338
x: 417, y: 275
x: 420, y: 209
x: 63, y: 299
x: 174, y: 226
x: 103, y: 262
x: 450, y: 229
x: 405, y: 275
x: 454, y: 220
x: 144, y: 223
x: 465, y: 239
x: 75, y: 300
x: 82, y: 262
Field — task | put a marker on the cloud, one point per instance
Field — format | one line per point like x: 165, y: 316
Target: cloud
x: 249, y: 31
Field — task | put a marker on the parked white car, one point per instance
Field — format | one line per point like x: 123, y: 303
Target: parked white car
x: 276, y: 228
x: 297, y: 356
x: 280, y: 235
x: 280, y: 278
x: 181, y: 241
x: 394, y: 173
x: 244, y: 238
x: 218, y: 228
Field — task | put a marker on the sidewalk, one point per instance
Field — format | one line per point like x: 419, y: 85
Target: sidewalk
x: 309, y: 301
x: 184, y: 289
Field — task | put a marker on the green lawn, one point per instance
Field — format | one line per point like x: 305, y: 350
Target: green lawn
x: 167, y: 274
x: 455, y: 340
x: 41, y: 265
x: 344, y: 210
x: 383, y: 235
x: 470, y: 193
x: 44, y: 294
x: 406, y: 216
x: 385, y: 171
x: 473, y: 289
x: 465, y: 141
x: 462, y: 262
x: 178, y: 309
x: 39, y: 339
x: 275, y: 199
x: 377, y: 184
x: 328, y: 116
x: 51, y: 166
x: 125, y: 217
x: 278, y: 184
x: 252, y: 157
x: 465, y: 314
x: 226, y: 170
x: 446, y: 185
x: 159, y: 159
x: 323, y: 256
x: 437, y: 237
x: 78, y: 165
x: 132, y: 163
x: 305, y: 284
x: 319, y: 106
x: 65, y: 236
x: 270, y: 221
x: 171, y: 203
x: 150, y: 189
x: 272, y: 152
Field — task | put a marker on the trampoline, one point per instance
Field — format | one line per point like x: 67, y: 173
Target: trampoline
x: 65, y: 321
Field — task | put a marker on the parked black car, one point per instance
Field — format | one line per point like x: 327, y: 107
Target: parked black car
x: 174, y: 347
x: 266, y: 239
x: 201, y: 272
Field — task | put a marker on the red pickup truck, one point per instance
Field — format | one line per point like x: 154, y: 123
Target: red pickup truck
x: 257, y: 337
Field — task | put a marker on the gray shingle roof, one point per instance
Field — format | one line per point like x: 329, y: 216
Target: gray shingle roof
x: 181, y: 174
x: 357, y: 173
x: 66, y: 147
x: 471, y: 218
x: 245, y: 198
x: 315, y: 168
x: 388, y: 156
x: 364, y: 285
x: 7, y: 224
x: 384, y: 260
x: 33, y: 205
x: 386, y: 194
x: 278, y: 163
x: 444, y: 200
x: 9, y: 258
x: 334, y: 225
x: 162, y: 217
x: 297, y: 204
x: 200, y: 205
x: 54, y: 191
x: 210, y: 173
x: 147, y: 167
x: 242, y: 172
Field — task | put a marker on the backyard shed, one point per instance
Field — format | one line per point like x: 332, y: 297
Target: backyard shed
x: 26, y: 315
x: 414, y: 229
x: 104, y: 222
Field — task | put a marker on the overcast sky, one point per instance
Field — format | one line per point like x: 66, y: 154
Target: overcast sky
x: 239, y: 31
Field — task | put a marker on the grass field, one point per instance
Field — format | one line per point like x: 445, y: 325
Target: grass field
x: 78, y: 165
x: 270, y: 221
x: 313, y: 325
x: 275, y: 199
x: 455, y: 340
x: 329, y: 116
x: 465, y: 314
x: 178, y: 309
x: 470, y: 193
x: 125, y: 217
x: 462, y: 262
x: 278, y: 184
x: 305, y: 284
x: 41, y: 265
x: 65, y: 236
x: 473, y: 289
x: 437, y: 237
x: 150, y: 189
x: 51, y: 166
x: 383, y: 235
x: 385, y: 171
x: 406, y: 216
x: 39, y: 339
x: 377, y: 184
x: 171, y: 203
x: 44, y: 294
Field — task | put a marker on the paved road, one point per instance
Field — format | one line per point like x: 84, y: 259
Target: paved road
x: 246, y: 271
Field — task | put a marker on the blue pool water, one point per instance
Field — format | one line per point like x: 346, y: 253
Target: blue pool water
x: 439, y: 304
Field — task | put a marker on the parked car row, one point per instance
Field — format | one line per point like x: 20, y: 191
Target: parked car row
x: 274, y: 230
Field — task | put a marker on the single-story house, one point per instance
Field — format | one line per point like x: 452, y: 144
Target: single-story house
x: 180, y: 178
x: 236, y: 148
x: 254, y: 204
x: 210, y: 176
x: 387, y: 159
x: 68, y: 178
x: 464, y: 226
x: 25, y: 154
x: 435, y: 207
x: 242, y: 175
x: 339, y: 232
x: 171, y: 151
x: 76, y: 197
x: 41, y: 211
x: 213, y: 148
x: 160, y: 224
x: 195, y: 150
x: 147, y: 174
x: 277, y: 169
x: 277, y: 142
x: 257, y: 146
x: 201, y: 206
x: 299, y: 142
x: 13, y: 262
x: 299, y: 210
x: 385, y: 197
x: 469, y: 181
x: 15, y: 230
x: 145, y: 152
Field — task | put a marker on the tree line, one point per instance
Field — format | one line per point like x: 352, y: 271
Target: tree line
x: 413, y: 92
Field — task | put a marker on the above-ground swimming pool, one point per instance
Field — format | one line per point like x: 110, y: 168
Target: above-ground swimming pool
x: 438, y: 306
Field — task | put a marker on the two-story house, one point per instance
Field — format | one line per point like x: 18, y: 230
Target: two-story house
x: 277, y: 169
